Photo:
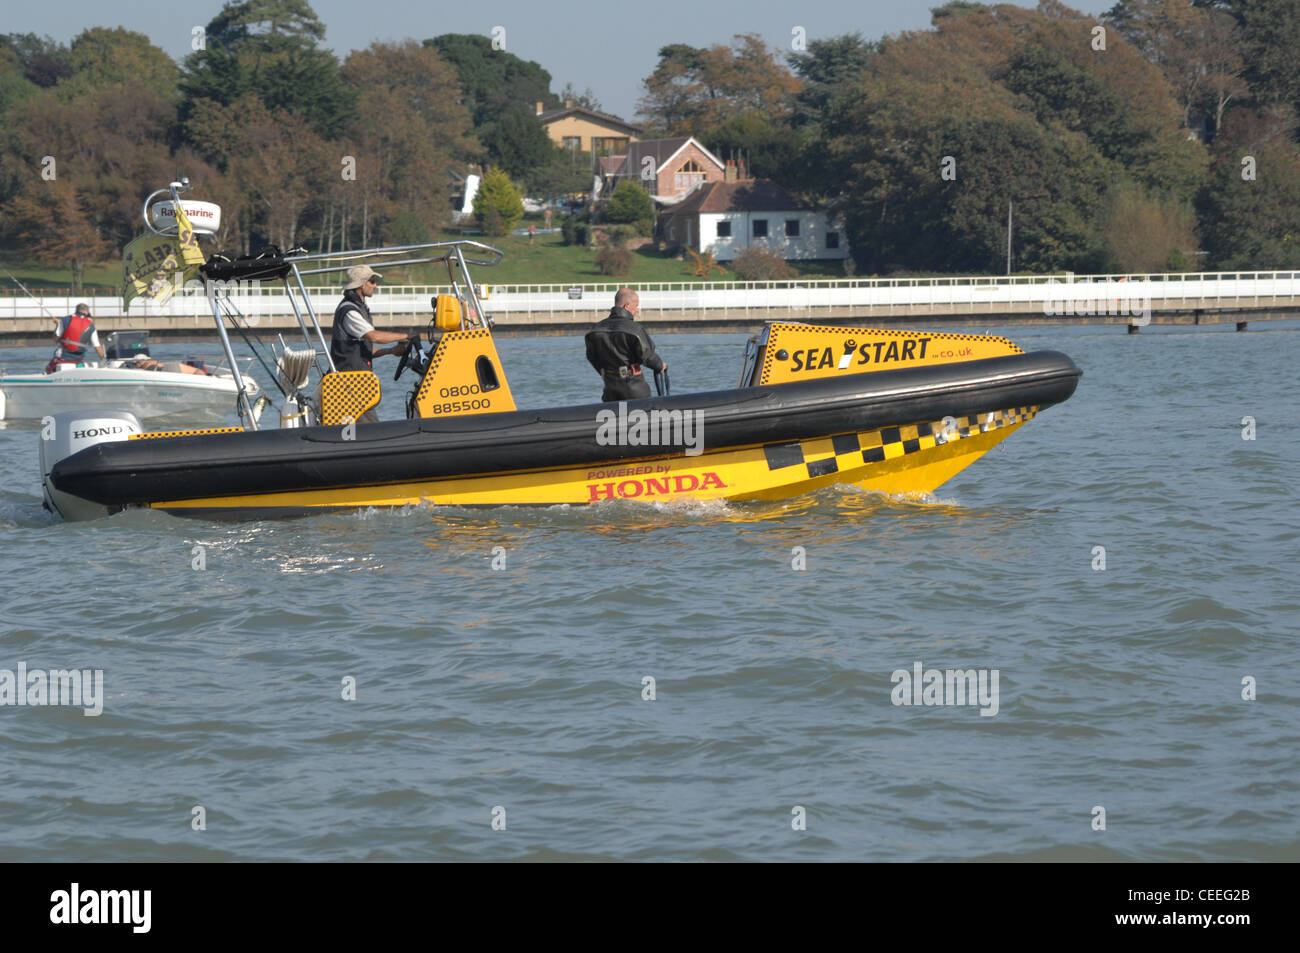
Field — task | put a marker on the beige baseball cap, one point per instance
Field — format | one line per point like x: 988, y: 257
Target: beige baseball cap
x: 358, y: 275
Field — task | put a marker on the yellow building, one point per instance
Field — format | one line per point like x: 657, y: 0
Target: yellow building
x: 584, y: 130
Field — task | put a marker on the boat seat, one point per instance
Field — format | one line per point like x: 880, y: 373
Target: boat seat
x: 347, y: 394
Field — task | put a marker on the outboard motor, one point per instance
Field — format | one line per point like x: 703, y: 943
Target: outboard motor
x: 65, y: 434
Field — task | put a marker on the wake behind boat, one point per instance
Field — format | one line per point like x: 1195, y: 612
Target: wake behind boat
x: 889, y: 410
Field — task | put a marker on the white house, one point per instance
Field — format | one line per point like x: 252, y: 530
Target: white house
x: 727, y: 217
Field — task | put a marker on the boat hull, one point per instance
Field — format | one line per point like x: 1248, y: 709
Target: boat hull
x: 160, y: 397
x: 905, y: 432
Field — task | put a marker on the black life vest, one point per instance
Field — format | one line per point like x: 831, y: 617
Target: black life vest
x: 349, y: 353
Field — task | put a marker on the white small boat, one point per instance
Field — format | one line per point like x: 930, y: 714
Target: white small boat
x: 166, y: 395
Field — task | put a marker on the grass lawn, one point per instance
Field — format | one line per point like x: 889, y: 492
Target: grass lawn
x: 547, y: 261
x: 106, y: 276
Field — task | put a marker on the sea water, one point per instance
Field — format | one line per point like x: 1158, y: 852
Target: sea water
x: 699, y: 681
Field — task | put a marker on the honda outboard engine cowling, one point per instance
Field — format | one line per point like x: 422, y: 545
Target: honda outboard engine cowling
x: 63, y: 435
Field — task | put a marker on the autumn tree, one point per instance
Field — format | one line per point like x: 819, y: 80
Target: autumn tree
x: 425, y: 133
x: 694, y: 90
x: 1148, y: 233
x: 276, y: 157
x: 56, y: 227
x: 100, y: 141
x: 1197, y: 48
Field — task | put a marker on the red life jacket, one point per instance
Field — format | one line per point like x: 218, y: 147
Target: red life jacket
x: 76, y: 336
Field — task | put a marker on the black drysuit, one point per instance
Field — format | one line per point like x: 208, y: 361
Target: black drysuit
x: 617, y: 347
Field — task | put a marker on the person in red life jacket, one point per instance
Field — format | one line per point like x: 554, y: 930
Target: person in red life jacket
x: 353, y: 333
x: 75, y: 336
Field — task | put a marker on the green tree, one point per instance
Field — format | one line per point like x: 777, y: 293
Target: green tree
x: 941, y: 129
x: 516, y: 142
x: 827, y: 68
x: 771, y: 150
x: 565, y: 173
x: 102, y: 56
x: 44, y: 61
x: 14, y: 84
x: 586, y: 99
x: 501, y: 92
x: 268, y: 48
x: 631, y: 204
x: 1253, y: 223
x: 1270, y: 42
x: 239, y: 22
x: 497, y: 206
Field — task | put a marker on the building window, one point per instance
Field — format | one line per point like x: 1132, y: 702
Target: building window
x: 573, y: 143
x: 792, y: 228
x: 760, y: 228
x: 724, y: 229
x: 832, y: 239
x: 688, y: 176
x: 609, y: 145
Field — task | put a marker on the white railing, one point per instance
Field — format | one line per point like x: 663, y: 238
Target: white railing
x: 560, y: 302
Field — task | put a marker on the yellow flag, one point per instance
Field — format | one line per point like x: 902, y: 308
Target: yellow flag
x: 150, y: 263
x: 190, y: 252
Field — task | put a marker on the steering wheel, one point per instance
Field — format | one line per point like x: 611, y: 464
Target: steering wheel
x: 411, y: 347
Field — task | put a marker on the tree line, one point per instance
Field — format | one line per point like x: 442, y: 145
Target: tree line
x: 1161, y: 136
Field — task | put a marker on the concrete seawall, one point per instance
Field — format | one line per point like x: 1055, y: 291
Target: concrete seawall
x: 34, y: 332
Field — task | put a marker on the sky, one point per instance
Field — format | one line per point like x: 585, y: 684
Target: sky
x: 609, y: 46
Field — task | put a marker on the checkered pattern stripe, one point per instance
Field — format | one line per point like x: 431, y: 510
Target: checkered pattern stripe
x: 851, y: 450
x: 184, y: 433
x: 427, y: 386
x: 347, y: 394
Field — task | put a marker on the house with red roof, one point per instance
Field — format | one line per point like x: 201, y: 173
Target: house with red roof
x: 737, y: 213
x: 666, y: 168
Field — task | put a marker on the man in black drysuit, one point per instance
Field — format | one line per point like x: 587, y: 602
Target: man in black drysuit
x: 617, y: 347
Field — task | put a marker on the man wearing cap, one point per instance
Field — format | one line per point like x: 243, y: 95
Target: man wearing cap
x: 353, y: 333
x: 75, y: 336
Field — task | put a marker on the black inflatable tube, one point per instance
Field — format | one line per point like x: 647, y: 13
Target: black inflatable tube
x: 219, y: 465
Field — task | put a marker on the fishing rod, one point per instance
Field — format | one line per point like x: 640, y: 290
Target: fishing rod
x: 29, y: 294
